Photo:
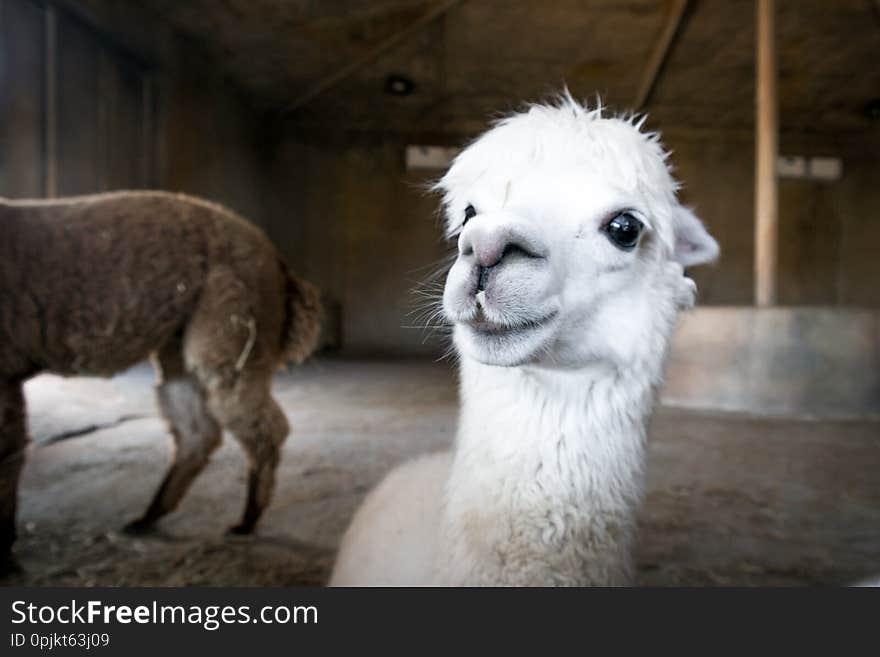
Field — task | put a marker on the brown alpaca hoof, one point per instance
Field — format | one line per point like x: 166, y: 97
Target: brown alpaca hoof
x: 8, y: 534
x: 241, y: 529
x: 139, y: 527
x: 9, y: 566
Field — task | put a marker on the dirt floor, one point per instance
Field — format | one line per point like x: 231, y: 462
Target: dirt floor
x: 732, y: 500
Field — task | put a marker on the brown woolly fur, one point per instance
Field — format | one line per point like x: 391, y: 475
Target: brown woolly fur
x: 93, y: 284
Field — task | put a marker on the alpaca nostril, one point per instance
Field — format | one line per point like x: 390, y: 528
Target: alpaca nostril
x: 489, y: 259
x: 492, y: 257
x: 515, y: 249
x: 483, y: 279
x: 492, y: 246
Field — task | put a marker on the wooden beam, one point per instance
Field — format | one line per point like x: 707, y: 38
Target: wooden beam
x: 766, y: 151
x: 355, y: 65
x: 660, y: 52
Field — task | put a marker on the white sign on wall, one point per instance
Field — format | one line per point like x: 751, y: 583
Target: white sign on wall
x: 430, y: 157
x: 809, y: 168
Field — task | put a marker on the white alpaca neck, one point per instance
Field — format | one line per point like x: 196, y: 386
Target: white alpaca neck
x: 547, y: 475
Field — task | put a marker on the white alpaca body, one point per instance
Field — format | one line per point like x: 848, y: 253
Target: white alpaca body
x: 563, y: 297
x: 540, y: 490
x: 392, y: 539
x: 546, y: 479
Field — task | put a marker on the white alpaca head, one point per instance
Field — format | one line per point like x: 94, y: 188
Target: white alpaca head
x: 571, y: 241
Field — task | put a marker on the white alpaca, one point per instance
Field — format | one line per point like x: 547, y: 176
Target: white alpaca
x: 566, y: 289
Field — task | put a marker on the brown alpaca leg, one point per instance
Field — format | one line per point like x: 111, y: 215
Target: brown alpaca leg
x: 196, y: 434
x: 232, y: 344
x: 260, y: 426
x: 13, y: 441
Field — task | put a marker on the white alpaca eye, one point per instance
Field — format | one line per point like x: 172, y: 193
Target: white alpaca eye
x: 624, y: 231
x: 469, y: 213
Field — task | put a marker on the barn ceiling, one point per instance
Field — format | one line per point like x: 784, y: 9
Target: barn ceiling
x: 315, y: 60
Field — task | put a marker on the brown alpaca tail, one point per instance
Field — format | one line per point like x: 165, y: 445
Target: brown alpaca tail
x: 303, y: 314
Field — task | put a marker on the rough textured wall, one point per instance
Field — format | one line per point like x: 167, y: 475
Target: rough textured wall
x: 718, y: 182
x: 814, y: 361
x: 858, y: 206
x: 349, y: 217
x: 212, y: 144
x: 128, y: 92
x: 21, y: 99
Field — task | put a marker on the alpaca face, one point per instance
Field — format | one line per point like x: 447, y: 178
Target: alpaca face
x: 571, y: 242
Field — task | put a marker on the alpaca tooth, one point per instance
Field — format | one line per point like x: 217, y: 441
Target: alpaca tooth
x: 481, y: 298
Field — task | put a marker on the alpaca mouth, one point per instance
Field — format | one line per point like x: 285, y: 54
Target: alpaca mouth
x: 485, y: 327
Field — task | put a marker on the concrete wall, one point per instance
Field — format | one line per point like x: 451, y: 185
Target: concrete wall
x: 211, y: 142
x: 135, y: 106
x: 815, y: 362
x: 21, y: 99
x: 349, y: 217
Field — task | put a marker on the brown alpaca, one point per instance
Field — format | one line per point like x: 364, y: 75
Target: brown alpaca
x: 93, y: 284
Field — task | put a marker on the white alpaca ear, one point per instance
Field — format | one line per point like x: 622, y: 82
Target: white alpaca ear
x: 693, y: 244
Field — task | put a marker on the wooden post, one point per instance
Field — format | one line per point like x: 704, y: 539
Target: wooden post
x: 766, y: 149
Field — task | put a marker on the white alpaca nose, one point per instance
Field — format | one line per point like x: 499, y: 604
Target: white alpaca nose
x: 489, y: 240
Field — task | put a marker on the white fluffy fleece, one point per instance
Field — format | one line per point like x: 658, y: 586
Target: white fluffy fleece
x: 561, y: 326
